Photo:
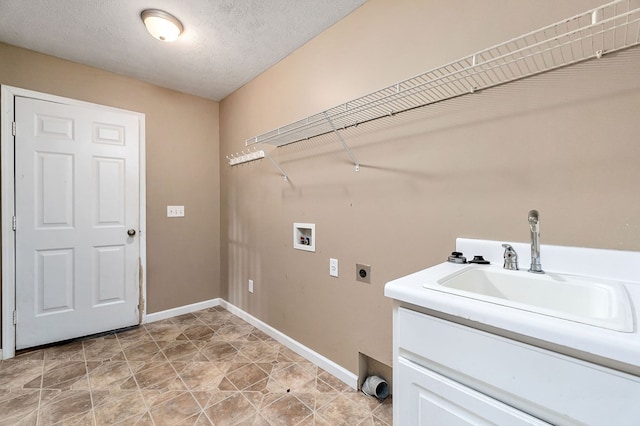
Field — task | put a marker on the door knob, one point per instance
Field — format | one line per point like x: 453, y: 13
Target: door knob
x: 131, y: 232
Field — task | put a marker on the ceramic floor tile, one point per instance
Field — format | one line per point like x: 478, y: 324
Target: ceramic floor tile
x: 66, y: 407
x: 142, y: 351
x: 260, y: 421
x: 137, y: 334
x: 64, y: 375
x: 103, y: 349
x: 163, y: 332
x: 295, y: 378
x: 378, y: 422
x: 309, y: 421
x: 69, y: 352
x: 254, y: 397
x: 179, y: 350
x: 324, y: 387
x: 199, y: 419
x: 144, y: 420
x: 28, y: 420
x: 322, y: 399
x: 275, y: 386
x: 287, y: 410
x: 112, y: 407
x: 246, y: 376
x: 157, y: 376
x: 260, y: 351
x: 18, y: 405
x: 343, y: 411
x: 35, y: 355
x: 260, y: 386
x: 332, y: 381
x: 308, y: 399
x: 232, y: 410
x: 219, y: 351
x: 319, y: 421
x: 210, y: 317
x: 369, y: 421
x: 384, y: 412
x: 226, y: 385
x: 111, y: 376
x: 201, y: 375
x: 287, y: 354
x: 197, y: 332
x: 203, y: 368
x: 186, y: 319
x: 257, y: 334
x: 15, y: 374
x: 366, y: 402
x: 233, y: 332
x: 176, y: 410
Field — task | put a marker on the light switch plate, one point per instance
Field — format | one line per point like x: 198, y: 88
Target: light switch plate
x: 175, y: 211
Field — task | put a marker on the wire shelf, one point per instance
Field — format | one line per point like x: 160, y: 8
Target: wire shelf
x: 605, y: 29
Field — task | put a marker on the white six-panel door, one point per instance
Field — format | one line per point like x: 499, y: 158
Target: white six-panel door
x: 76, y: 201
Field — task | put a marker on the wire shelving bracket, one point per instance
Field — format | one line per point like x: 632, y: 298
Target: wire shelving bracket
x: 608, y: 28
x: 344, y: 144
x: 275, y: 163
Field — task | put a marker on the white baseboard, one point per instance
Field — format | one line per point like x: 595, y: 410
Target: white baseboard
x: 181, y: 310
x: 323, y: 362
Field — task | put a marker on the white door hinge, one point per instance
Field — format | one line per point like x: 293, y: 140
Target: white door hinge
x: 13, y: 128
x: 14, y: 223
x: 15, y: 317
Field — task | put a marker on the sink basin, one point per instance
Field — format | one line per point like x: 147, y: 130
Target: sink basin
x: 593, y: 301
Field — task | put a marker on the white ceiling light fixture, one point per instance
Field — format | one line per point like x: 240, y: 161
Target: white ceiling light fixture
x: 161, y: 25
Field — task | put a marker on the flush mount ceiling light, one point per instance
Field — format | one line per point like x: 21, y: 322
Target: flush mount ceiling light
x: 161, y: 25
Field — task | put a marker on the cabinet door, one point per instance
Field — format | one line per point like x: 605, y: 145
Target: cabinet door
x: 427, y: 398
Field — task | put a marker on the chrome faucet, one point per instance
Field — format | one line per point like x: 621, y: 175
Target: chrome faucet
x: 510, y: 258
x: 534, y: 226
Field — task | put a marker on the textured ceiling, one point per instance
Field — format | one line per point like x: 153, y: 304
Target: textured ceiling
x: 225, y: 44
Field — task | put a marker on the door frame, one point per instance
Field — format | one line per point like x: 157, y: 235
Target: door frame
x: 7, y: 200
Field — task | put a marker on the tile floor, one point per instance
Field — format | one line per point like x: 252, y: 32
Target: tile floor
x: 209, y: 367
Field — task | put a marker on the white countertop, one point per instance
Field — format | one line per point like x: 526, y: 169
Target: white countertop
x: 613, y: 345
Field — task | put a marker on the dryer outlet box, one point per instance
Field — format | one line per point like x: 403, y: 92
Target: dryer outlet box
x: 363, y: 273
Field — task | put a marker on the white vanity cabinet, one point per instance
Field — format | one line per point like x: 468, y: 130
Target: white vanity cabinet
x: 446, y: 373
x: 428, y: 398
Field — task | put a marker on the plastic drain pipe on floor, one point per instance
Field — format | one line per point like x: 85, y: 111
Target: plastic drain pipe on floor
x: 375, y: 386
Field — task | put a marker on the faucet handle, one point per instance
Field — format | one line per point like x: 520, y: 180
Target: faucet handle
x: 510, y: 257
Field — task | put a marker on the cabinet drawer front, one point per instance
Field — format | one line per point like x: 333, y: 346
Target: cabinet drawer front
x: 427, y: 398
x: 549, y: 386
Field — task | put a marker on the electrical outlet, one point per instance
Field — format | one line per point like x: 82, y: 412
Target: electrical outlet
x: 250, y: 286
x: 333, y: 267
x: 175, y: 211
x: 363, y: 273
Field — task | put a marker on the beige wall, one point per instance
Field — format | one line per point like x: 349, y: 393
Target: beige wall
x: 565, y: 143
x: 182, y: 148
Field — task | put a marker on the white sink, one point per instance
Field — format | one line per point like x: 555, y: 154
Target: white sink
x: 592, y: 301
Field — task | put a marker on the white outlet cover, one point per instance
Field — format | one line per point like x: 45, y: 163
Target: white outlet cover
x: 175, y: 211
x: 333, y: 267
x: 250, y: 286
